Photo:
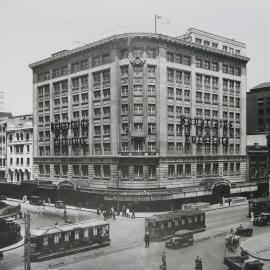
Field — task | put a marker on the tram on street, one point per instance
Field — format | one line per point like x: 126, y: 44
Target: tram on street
x: 58, y: 241
x: 163, y: 226
x: 10, y: 232
x: 259, y: 205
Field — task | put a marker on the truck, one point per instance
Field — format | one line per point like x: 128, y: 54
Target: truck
x: 243, y: 263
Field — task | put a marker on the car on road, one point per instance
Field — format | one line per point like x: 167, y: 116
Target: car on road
x: 3, y: 197
x: 59, y: 204
x: 244, y: 231
x: 9, y: 220
x: 182, y: 238
x: 243, y: 263
x: 36, y: 200
x: 262, y: 219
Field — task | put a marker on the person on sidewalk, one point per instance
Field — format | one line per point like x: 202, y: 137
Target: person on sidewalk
x: 200, y: 264
x: 113, y: 215
x: 221, y: 201
x: 229, y: 201
x: 197, y: 263
x: 147, y: 240
x: 133, y: 213
x: 163, y: 259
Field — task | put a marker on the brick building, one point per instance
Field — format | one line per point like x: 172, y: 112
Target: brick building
x: 142, y: 119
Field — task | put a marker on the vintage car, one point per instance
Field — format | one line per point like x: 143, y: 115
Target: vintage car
x: 244, y: 231
x: 59, y: 204
x: 262, y: 219
x: 243, y: 263
x: 36, y: 200
x: 182, y: 238
x: 2, y: 197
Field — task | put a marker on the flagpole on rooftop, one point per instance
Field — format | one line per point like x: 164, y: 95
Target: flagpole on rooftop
x: 155, y: 23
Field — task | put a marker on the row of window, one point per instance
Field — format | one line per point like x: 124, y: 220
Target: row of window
x: 207, y: 169
x: 215, y: 45
x: 19, y: 149
x: 20, y: 161
x: 206, y: 64
x: 178, y: 76
x: 178, y: 58
x: 180, y: 148
x: 138, y: 71
x: 19, y: 137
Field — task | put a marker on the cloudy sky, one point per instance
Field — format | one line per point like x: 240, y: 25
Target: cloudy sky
x: 33, y: 29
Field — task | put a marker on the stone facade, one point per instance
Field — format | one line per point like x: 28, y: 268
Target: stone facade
x: 141, y: 113
x: 19, y: 144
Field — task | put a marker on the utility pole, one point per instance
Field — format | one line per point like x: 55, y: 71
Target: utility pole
x: 27, y: 243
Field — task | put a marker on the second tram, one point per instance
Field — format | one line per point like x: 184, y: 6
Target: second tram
x: 164, y: 226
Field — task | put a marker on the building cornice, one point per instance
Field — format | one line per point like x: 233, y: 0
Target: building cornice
x: 157, y: 37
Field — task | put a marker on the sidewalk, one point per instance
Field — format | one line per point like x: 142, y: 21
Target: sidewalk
x: 211, y: 207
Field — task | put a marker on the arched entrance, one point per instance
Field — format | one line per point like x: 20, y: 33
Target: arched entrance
x: 27, y: 175
x: 10, y: 174
x: 66, y: 191
x: 221, y: 188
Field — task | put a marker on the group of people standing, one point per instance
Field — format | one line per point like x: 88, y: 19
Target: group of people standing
x: 111, y: 213
x: 198, y: 263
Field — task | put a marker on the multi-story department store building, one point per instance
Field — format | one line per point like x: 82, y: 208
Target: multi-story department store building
x: 143, y: 119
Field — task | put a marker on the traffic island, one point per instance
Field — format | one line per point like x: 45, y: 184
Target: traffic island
x: 258, y: 247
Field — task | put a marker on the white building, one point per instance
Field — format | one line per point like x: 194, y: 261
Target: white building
x: 19, y: 134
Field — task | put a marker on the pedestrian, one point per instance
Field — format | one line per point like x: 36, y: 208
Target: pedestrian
x: 163, y: 259
x: 98, y: 212
x: 147, y: 240
x: 113, y: 215
x: 229, y: 201
x: 251, y: 216
x: 133, y: 214
x: 200, y: 264
x: 221, y: 201
x: 127, y: 213
x: 197, y: 263
x: 104, y: 215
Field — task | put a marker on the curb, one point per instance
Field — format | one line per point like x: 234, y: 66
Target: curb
x: 153, y: 213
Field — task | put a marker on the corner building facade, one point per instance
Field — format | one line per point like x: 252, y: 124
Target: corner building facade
x: 143, y: 119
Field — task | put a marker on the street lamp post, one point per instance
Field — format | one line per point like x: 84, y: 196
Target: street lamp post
x: 27, y: 243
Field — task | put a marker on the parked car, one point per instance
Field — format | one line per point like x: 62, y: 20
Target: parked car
x: 9, y: 220
x: 182, y: 238
x: 244, y: 231
x: 3, y: 197
x: 36, y: 200
x: 262, y: 219
x: 59, y: 204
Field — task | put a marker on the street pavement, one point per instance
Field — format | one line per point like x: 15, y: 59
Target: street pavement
x: 127, y: 247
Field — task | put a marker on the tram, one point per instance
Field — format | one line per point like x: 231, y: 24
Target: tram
x: 10, y: 232
x: 58, y: 241
x: 163, y: 226
x: 259, y: 205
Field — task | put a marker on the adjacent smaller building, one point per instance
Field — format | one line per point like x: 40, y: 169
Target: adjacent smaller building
x: 258, y: 109
x: 258, y: 161
x: 19, y: 137
x: 4, y: 116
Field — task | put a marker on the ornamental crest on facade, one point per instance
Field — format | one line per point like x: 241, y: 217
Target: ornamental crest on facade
x: 137, y: 61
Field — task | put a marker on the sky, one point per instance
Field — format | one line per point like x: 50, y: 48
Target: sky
x: 34, y: 29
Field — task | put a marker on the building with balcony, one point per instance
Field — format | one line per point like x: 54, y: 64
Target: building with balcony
x: 142, y: 119
x: 258, y: 109
x: 19, y: 149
